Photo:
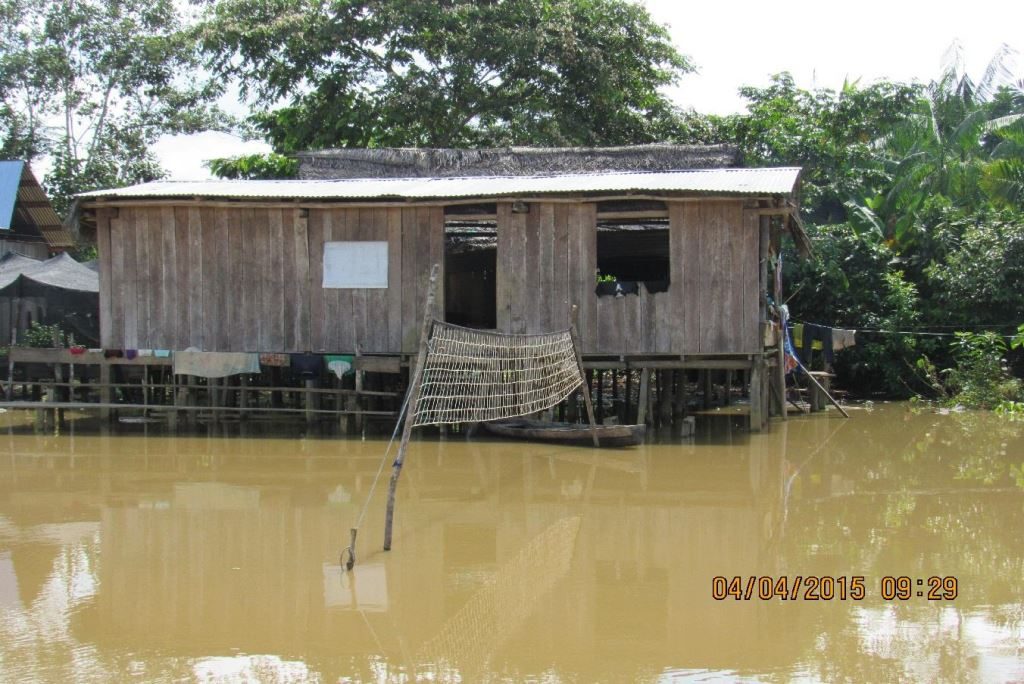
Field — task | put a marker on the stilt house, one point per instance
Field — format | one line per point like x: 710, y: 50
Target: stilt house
x: 661, y: 248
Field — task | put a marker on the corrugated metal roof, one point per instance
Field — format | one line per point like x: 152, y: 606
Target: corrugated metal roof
x: 57, y: 237
x: 21, y: 193
x: 778, y: 181
x: 10, y: 179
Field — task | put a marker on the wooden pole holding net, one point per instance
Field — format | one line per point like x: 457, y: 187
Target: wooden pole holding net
x: 584, y: 388
x: 414, y: 389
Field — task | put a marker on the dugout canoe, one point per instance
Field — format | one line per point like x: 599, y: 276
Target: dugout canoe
x: 566, y: 433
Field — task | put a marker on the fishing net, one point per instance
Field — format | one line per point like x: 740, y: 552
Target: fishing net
x: 473, y: 375
x: 469, y: 639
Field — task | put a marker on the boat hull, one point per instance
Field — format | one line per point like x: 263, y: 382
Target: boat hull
x: 566, y: 433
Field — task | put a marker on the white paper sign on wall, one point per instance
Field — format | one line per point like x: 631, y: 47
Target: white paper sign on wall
x: 349, y: 265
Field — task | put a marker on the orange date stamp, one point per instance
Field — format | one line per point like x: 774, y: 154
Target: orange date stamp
x: 832, y: 588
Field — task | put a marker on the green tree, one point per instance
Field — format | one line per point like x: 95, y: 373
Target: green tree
x: 93, y: 83
x: 454, y: 73
x: 832, y: 135
x: 1003, y: 176
x: 254, y: 166
x: 944, y: 148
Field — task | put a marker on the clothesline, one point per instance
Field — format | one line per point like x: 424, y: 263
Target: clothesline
x: 879, y: 331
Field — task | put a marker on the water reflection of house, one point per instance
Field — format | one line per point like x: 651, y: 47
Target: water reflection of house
x: 234, y: 555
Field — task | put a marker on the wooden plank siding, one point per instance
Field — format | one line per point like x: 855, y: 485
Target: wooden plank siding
x: 250, y: 279
x: 547, y: 259
x: 108, y: 301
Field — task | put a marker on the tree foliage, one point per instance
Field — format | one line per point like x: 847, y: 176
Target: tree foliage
x: 912, y: 197
x: 832, y: 135
x: 454, y: 73
x: 254, y: 166
x: 93, y: 83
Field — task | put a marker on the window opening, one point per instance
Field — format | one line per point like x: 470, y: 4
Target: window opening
x: 632, y: 254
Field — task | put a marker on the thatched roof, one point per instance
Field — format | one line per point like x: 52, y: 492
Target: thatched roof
x: 510, y: 161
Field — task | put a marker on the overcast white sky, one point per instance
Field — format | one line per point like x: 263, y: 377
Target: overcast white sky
x: 742, y: 43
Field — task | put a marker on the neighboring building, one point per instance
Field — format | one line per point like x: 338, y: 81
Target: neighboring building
x: 57, y: 291
x: 412, y: 162
x: 28, y: 224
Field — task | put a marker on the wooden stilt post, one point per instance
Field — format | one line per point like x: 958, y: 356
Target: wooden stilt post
x: 243, y: 397
x: 645, y: 396
x: 616, y: 406
x: 172, y: 414
x: 579, y: 364
x: 307, y: 399
x: 414, y: 397
x: 757, y: 395
x: 627, y: 411
x: 58, y: 379
x: 780, y: 353
x: 706, y: 377
x: 10, y: 360
x: 105, y: 396
x: 598, y: 376
x: 359, y: 402
x: 666, y: 398
x: 145, y: 389
x: 678, y: 395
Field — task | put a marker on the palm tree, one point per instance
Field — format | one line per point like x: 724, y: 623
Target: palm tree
x: 945, y: 149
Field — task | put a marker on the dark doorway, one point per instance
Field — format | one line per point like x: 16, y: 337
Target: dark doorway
x: 471, y: 266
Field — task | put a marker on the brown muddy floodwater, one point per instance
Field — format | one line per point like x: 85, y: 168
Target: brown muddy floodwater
x: 134, y: 557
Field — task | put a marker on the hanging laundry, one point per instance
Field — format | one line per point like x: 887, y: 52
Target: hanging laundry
x: 811, y: 333
x: 841, y: 338
x: 113, y: 353
x: 274, y: 360
x: 798, y: 338
x: 306, y: 365
x: 340, y: 364
x: 215, y: 364
x: 162, y: 353
x: 145, y: 352
x: 790, y: 358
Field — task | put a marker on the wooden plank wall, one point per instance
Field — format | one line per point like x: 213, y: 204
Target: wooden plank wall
x: 540, y: 253
x: 377, y: 320
x: 547, y: 259
x: 250, y: 279
x: 714, y: 248
x: 214, y: 278
x: 36, y: 250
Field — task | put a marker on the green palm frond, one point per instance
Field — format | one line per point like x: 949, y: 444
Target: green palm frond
x: 1003, y: 181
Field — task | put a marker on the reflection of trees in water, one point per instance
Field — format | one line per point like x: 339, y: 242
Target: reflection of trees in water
x: 925, y: 495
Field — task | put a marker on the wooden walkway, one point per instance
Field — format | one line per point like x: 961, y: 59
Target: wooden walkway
x: 51, y: 381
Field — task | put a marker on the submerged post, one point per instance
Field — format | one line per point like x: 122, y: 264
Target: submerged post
x: 414, y: 396
x: 583, y: 377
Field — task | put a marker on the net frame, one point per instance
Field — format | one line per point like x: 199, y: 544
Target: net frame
x: 472, y: 375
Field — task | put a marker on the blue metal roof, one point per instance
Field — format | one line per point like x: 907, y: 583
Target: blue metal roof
x: 10, y: 179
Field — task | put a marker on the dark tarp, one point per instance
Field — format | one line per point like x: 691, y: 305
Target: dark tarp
x: 58, y: 291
